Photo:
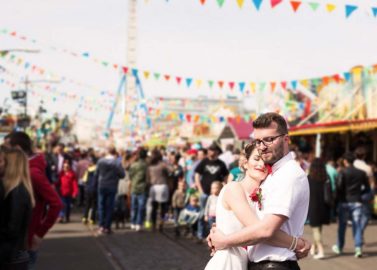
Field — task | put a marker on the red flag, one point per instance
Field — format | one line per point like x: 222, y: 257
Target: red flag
x: 125, y: 69
x: 231, y: 85
x: 178, y: 79
x: 284, y: 85
x: 274, y: 3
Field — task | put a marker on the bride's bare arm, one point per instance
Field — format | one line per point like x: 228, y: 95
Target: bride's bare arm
x: 235, y: 199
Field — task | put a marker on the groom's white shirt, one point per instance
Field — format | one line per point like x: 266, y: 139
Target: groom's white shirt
x: 285, y: 192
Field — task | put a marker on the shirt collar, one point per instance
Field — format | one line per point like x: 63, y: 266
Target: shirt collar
x: 280, y: 163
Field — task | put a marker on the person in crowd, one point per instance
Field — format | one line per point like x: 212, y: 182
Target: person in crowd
x: 349, y: 188
x: 108, y: 173
x: 176, y: 174
x: 237, y: 173
x: 138, y: 182
x: 178, y: 203
x: 319, y: 205
x: 81, y: 167
x: 210, y: 209
x: 367, y: 192
x: 190, y: 164
x: 47, y: 201
x: 68, y: 188
x: 91, y: 194
x: 189, y: 216
x: 236, y: 159
x: 18, y: 201
x: 281, y: 201
x: 209, y: 170
x: 157, y: 175
x: 227, y: 157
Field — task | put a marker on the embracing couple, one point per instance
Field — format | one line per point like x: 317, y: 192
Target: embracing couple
x: 260, y: 220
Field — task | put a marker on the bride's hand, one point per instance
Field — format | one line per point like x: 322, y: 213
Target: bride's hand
x: 217, y: 239
x: 209, y: 242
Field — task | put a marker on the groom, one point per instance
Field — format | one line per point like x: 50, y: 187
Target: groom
x: 285, y: 202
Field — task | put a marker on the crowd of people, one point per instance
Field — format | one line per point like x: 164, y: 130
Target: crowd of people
x: 150, y: 187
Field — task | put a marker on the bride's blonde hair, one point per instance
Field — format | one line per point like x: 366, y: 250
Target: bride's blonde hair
x: 17, y: 172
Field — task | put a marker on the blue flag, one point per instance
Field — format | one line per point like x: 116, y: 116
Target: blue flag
x: 350, y: 9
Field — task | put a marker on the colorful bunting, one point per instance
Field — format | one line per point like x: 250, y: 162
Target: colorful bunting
x: 350, y: 9
x: 220, y: 2
x: 374, y: 11
x: 295, y: 5
x: 274, y: 3
x: 257, y: 4
x: 240, y: 3
x: 188, y: 82
x: 330, y: 7
x: 314, y: 6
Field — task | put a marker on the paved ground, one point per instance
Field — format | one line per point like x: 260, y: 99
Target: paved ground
x: 74, y: 245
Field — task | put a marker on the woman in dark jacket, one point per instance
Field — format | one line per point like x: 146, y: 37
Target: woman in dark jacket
x: 17, y: 205
x: 319, y: 209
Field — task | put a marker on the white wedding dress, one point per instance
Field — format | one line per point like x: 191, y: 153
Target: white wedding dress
x: 234, y: 258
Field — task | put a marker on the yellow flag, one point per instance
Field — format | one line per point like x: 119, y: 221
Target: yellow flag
x: 305, y: 83
x: 252, y: 87
x: 198, y: 83
x: 240, y: 3
x: 330, y: 7
x: 146, y: 74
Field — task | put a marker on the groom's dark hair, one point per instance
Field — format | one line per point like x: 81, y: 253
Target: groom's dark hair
x: 266, y: 119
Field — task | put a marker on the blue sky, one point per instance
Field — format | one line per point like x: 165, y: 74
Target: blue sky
x: 184, y: 38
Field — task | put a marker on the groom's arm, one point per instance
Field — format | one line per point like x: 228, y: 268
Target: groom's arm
x: 250, y: 235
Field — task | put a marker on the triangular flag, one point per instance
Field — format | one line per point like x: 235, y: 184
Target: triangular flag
x: 188, y: 81
x: 241, y: 86
x: 274, y: 3
x: 210, y: 83
x: 314, y: 6
x: 231, y: 85
x: 350, y: 9
x: 294, y: 84
x: 262, y: 86
x: 284, y: 85
x: 336, y: 78
x: 305, y: 83
x: 273, y: 85
x: 240, y: 3
x: 167, y: 77
x: 252, y: 87
x: 330, y: 7
x: 146, y: 74
x: 221, y: 84
x: 347, y: 76
x: 374, y: 11
x: 257, y: 3
x: 202, y: 2
x: 178, y: 79
x: 198, y: 83
x: 295, y: 5
x: 134, y: 72
x: 156, y: 75
x: 220, y: 2
x: 125, y: 69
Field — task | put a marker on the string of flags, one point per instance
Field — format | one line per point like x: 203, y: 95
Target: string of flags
x: 296, y: 5
x: 244, y: 87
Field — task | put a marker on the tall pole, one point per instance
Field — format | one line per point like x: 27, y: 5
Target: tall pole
x: 130, y: 95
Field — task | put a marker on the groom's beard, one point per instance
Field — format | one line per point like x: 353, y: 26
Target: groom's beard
x: 271, y: 155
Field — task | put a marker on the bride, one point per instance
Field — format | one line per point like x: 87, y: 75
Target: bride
x: 235, y: 209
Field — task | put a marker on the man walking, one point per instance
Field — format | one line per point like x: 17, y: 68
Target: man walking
x: 285, y: 202
x: 109, y: 171
x: 349, y: 186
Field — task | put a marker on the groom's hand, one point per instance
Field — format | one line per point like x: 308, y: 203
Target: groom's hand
x: 303, y: 248
x: 218, y: 239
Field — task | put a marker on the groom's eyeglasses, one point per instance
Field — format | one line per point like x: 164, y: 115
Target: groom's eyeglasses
x: 267, y: 141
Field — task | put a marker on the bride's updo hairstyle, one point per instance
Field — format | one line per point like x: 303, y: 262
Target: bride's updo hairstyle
x: 246, y: 152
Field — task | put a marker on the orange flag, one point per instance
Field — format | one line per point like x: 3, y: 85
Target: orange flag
x: 295, y: 5
x: 273, y: 85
